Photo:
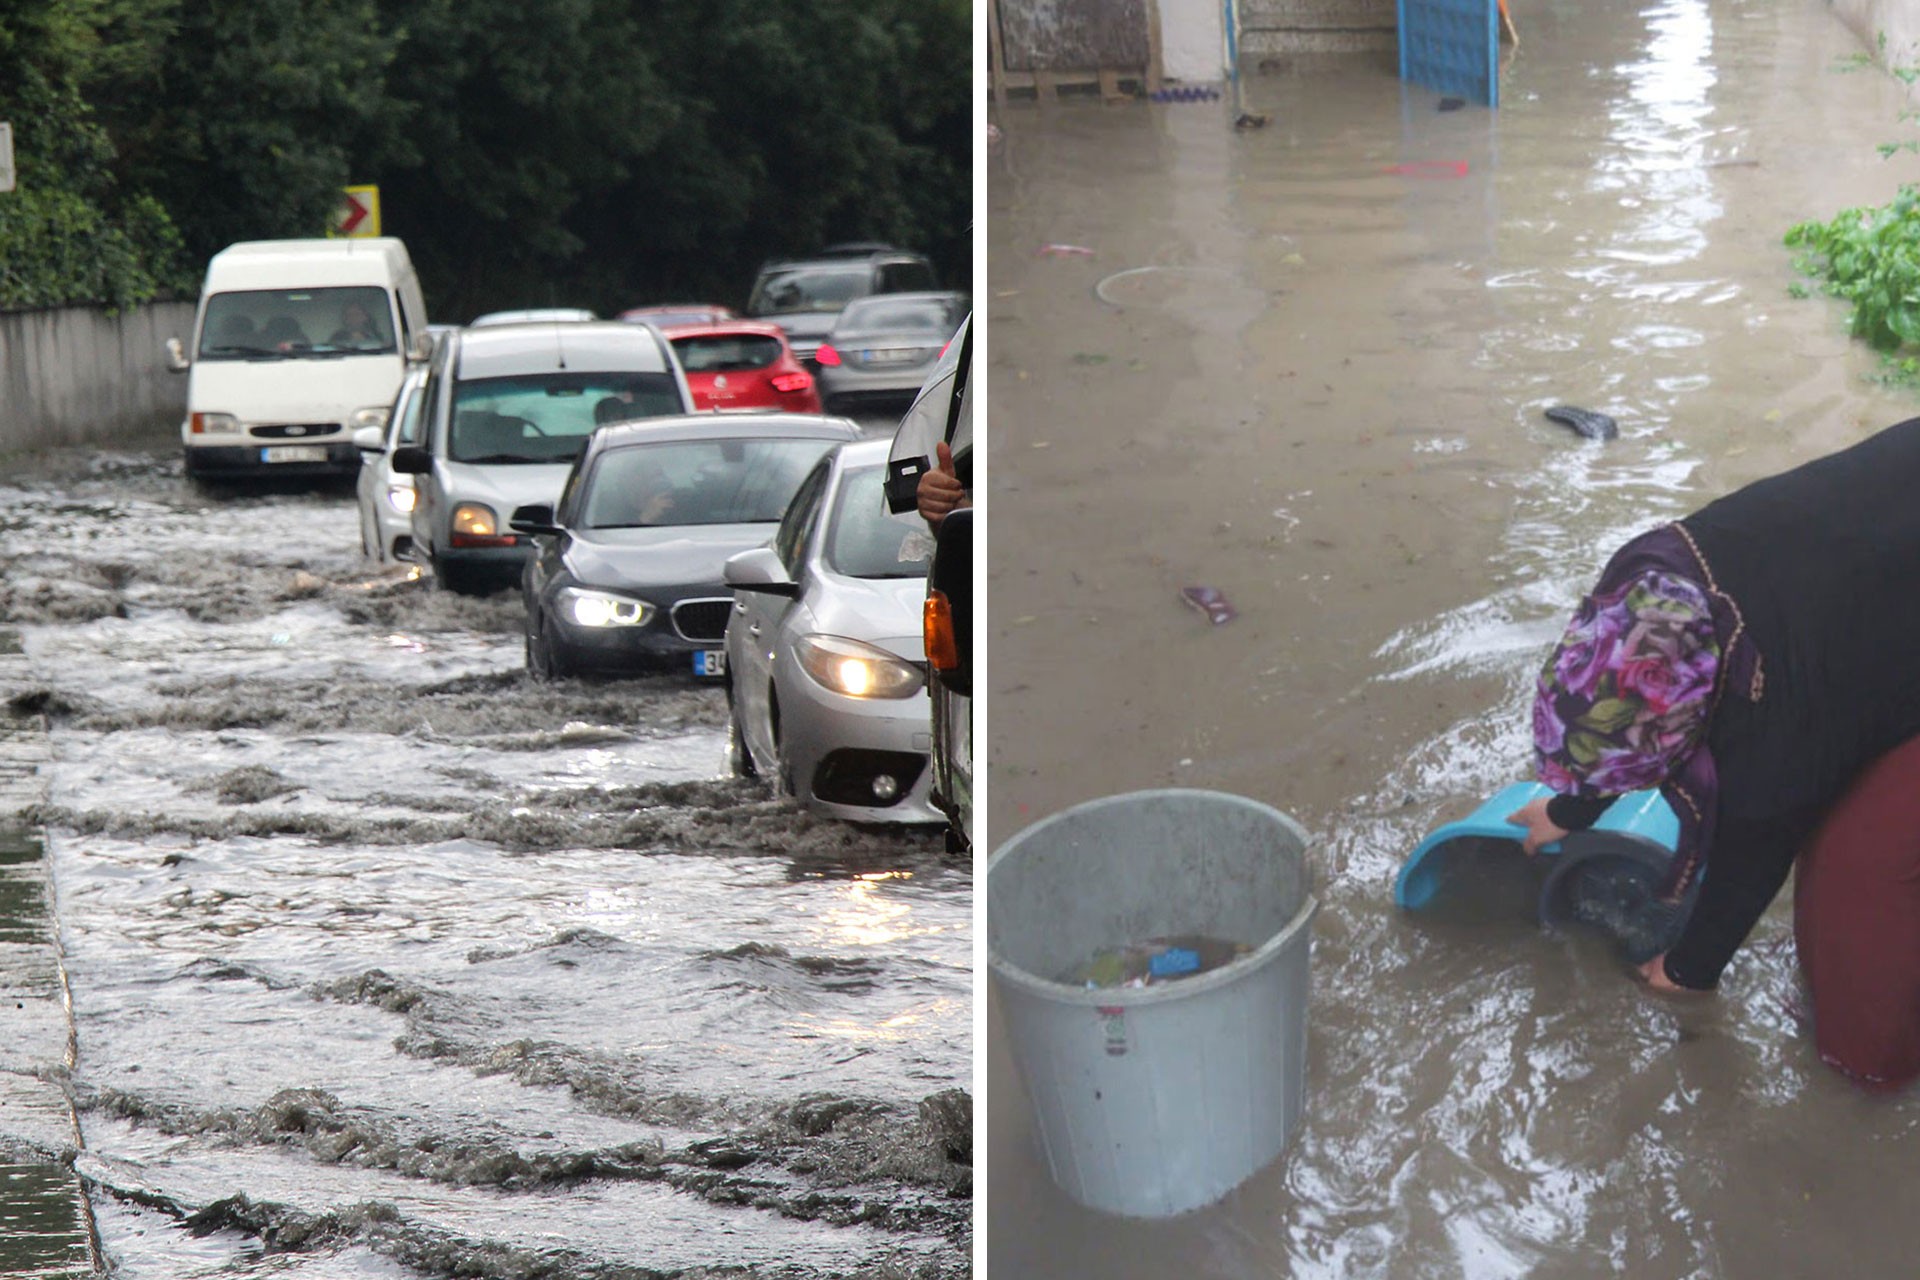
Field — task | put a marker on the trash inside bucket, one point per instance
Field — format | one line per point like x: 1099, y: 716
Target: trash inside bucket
x: 1155, y: 1098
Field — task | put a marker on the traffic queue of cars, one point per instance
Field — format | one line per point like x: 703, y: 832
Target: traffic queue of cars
x: 666, y: 495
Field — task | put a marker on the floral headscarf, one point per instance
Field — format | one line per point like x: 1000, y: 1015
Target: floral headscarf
x: 1624, y: 699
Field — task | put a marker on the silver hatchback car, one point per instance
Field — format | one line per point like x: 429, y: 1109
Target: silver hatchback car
x: 826, y: 671
x: 507, y: 410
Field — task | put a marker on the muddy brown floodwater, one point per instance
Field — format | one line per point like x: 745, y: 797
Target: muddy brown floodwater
x: 1317, y: 386
x: 385, y: 960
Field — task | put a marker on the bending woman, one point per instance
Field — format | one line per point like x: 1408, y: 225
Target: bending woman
x: 1754, y: 661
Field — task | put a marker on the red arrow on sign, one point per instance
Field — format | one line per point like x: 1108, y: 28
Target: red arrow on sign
x: 356, y: 214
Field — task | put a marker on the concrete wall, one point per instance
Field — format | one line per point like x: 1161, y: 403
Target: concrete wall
x: 78, y: 374
x: 1897, y: 20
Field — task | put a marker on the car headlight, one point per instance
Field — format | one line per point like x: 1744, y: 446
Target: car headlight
x: 402, y: 497
x: 855, y: 669
x: 374, y: 415
x: 215, y: 424
x: 475, y: 520
x: 603, y: 608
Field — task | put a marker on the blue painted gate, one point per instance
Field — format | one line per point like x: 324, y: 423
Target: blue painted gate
x: 1452, y: 47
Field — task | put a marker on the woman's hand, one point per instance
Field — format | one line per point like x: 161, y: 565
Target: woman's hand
x: 1541, y: 829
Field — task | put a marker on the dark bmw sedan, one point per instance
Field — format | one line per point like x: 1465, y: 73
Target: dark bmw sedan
x: 627, y: 571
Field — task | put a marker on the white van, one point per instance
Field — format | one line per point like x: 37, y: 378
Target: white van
x: 296, y: 344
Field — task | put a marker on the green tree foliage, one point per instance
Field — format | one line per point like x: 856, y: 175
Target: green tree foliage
x: 71, y: 231
x: 245, y: 122
x: 609, y: 152
x: 601, y: 153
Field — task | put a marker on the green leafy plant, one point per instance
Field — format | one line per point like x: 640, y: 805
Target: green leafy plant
x: 1870, y: 257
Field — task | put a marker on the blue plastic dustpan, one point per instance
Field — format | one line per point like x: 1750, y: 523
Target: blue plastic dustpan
x: 1638, y: 820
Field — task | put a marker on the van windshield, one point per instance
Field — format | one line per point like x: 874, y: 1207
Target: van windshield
x: 295, y: 324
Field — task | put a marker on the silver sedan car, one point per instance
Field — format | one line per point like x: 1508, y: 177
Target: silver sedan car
x: 882, y: 349
x: 386, y: 499
x: 826, y: 675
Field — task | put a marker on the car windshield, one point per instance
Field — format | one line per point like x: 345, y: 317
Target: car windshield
x: 727, y: 352
x: 296, y: 324
x: 547, y: 417
x: 825, y: 289
x: 687, y: 482
x: 867, y: 541
x: 923, y: 316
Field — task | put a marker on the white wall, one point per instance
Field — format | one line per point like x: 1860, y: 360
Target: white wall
x: 1897, y: 20
x: 77, y: 374
x: 1192, y: 40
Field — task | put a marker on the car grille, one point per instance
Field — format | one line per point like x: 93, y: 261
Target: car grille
x: 702, y: 620
x: 294, y: 430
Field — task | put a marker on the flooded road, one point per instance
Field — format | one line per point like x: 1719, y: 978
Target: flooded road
x: 386, y: 960
x: 1325, y: 400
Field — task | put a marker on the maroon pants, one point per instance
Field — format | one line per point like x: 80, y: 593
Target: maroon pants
x: 1856, y: 921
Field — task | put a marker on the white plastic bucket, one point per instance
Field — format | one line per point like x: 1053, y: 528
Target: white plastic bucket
x: 1155, y: 1100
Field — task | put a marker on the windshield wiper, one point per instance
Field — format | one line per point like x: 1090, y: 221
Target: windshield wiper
x: 492, y: 458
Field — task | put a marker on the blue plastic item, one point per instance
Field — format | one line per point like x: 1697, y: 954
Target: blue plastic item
x: 1639, y: 824
x: 1173, y: 962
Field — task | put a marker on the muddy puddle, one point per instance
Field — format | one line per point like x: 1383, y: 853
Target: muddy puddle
x: 1326, y: 402
x: 386, y: 960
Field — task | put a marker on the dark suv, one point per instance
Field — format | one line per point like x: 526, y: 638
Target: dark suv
x: 804, y: 295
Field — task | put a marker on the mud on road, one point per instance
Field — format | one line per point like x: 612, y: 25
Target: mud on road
x: 387, y: 960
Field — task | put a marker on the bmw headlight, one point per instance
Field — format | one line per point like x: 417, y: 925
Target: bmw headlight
x: 603, y: 608
x: 856, y: 669
x: 374, y: 415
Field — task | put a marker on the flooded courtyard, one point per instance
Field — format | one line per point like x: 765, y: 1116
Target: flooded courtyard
x: 377, y: 958
x: 1306, y: 364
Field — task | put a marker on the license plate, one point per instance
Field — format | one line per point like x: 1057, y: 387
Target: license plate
x: 294, y: 453
x: 890, y: 355
x: 710, y: 662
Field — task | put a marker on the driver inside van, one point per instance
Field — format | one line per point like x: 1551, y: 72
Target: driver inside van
x: 356, y: 327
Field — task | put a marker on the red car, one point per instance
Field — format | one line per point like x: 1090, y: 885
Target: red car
x: 742, y: 364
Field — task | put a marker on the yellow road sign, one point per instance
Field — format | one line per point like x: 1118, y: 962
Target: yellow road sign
x: 359, y: 214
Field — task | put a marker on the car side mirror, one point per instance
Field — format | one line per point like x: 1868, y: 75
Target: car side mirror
x: 759, y: 570
x: 412, y: 460
x: 534, y: 518
x: 370, y: 439
x: 420, y: 350
x: 177, y: 361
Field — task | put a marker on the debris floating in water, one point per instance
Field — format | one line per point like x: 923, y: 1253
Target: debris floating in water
x: 1594, y: 426
x: 1157, y: 960
x: 1065, y: 251
x: 1249, y: 120
x: 1210, y: 601
x: 1430, y: 169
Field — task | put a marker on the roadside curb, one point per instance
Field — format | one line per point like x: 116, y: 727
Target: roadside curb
x: 38, y: 1045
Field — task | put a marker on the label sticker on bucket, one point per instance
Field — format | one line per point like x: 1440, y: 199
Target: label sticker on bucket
x: 1113, y: 1020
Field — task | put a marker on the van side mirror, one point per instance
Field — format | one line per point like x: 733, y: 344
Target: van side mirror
x: 420, y: 350
x: 177, y: 361
x: 412, y: 460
